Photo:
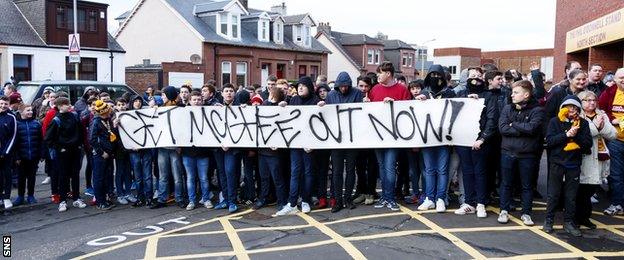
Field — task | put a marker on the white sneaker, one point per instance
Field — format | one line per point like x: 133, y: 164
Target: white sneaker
x: 481, y: 213
x: 287, y: 210
x: 503, y: 217
x: 131, y: 198
x: 155, y: 194
x: 79, y: 204
x: 305, y: 207
x: 440, y: 206
x: 370, y: 199
x: 8, y: 204
x: 526, y: 220
x: 46, y: 180
x: 465, y: 209
x: 63, y: 206
x: 426, y: 205
x: 594, y: 200
x: 208, y: 204
x: 122, y: 201
x: 190, y: 206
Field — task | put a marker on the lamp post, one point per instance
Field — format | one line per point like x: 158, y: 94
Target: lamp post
x: 422, y: 61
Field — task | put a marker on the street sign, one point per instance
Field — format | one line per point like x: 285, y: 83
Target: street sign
x: 74, y: 58
x: 74, y: 43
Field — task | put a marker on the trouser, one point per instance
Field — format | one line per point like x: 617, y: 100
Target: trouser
x: 367, y: 171
x: 54, y: 173
x: 170, y: 163
x: 250, y: 167
x: 616, y: 176
x: 524, y: 167
x: 88, y: 170
x: 387, y: 158
x: 343, y: 162
x: 415, y: 171
x: 123, y: 176
x: 492, y: 167
x: 474, y: 174
x: 142, y: 167
x: 300, y: 176
x: 402, y: 183
x: 5, y: 178
x: 566, y: 180
x: 27, y: 172
x: 101, y: 177
x: 196, y: 168
x: 583, y: 202
x: 270, y: 169
x: 232, y: 169
x: 321, y: 168
x: 436, y: 161
x: 68, y: 169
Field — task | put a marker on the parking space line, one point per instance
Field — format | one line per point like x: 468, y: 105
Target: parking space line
x: 608, y: 227
x: 151, y: 248
x: 192, y: 256
x: 278, y: 228
x: 237, y: 244
x: 391, y: 234
x: 194, y: 234
x: 344, y: 243
x: 381, y: 215
x: 292, y: 247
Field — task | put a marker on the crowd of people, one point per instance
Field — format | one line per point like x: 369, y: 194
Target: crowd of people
x: 579, y: 122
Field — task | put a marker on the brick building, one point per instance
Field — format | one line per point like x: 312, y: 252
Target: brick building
x: 589, y: 32
x: 521, y: 60
x: 457, y: 59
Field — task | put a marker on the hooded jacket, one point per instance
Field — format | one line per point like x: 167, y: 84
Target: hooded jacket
x: 556, y: 139
x: 29, y: 142
x: 8, y: 131
x: 351, y: 96
x: 521, y: 129
x: 437, y: 87
x: 310, y: 100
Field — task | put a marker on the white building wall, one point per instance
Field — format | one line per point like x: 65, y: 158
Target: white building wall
x: 49, y: 63
x: 337, y: 62
x: 156, y: 33
x: 448, y: 61
x: 546, y: 66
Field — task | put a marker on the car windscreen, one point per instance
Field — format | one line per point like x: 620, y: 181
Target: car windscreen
x: 28, y: 92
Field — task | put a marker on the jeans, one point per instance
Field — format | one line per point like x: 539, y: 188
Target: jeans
x: 300, y: 174
x: 436, y: 161
x: 169, y: 163
x: 27, y: 172
x: 196, y: 167
x: 101, y: 171
x: 89, y: 170
x: 415, y: 162
x: 232, y: 171
x: 616, y: 176
x: 269, y: 168
x: 474, y: 171
x: 123, y: 176
x: 386, y: 158
x: 250, y: 168
x: 524, y: 167
x: 5, y: 178
x: 142, y: 167
x: 340, y: 159
x: 321, y: 169
x: 367, y: 171
x: 566, y: 180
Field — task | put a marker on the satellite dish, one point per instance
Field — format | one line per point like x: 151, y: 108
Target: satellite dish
x: 196, y: 59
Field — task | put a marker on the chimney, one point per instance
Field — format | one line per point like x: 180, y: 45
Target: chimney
x: 244, y: 3
x: 324, y: 27
x: 146, y: 62
x: 280, y: 9
x: 381, y: 36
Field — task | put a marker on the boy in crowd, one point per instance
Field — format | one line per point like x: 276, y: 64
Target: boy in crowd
x: 141, y: 163
x: 123, y: 174
x: 8, y: 130
x: 102, y: 139
x: 29, y: 147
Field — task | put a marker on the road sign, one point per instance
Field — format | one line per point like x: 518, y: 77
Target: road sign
x: 74, y: 58
x: 74, y: 43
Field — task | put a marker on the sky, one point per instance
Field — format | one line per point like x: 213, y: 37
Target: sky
x: 487, y: 24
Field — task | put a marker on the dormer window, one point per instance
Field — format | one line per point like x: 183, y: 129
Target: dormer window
x: 235, y: 22
x: 263, y: 30
x: 306, y: 35
x: 224, y: 23
x: 299, y: 33
x: 229, y: 25
x: 278, y: 31
x: 302, y: 35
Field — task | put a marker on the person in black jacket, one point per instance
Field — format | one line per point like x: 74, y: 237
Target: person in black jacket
x: 568, y: 138
x: 520, y: 126
x: 64, y: 139
x: 102, y: 140
x: 29, y: 147
x: 8, y: 130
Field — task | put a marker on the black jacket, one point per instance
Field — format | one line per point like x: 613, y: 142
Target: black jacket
x: 556, y: 140
x: 99, y: 137
x: 521, y: 129
x: 597, y: 87
x: 64, y: 132
x: 489, y: 114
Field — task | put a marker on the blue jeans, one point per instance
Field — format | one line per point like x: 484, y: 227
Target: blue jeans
x: 101, y: 171
x: 169, y: 163
x: 415, y: 163
x: 436, y: 160
x: 270, y: 168
x: 232, y: 171
x: 387, y: 158
x: 300, y: 167
x: 142, y: 167
x: 123, y: 177
x: 525, y: 168
x: 474, y: 174
x: 616, y: 176
x: 196, y: 167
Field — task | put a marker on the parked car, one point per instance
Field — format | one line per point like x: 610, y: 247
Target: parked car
x: 31, y: 90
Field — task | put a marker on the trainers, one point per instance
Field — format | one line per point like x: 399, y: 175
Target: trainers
x: 232, y: 208
x: 526, y: 220
x: 382, y: 203
x: 208, y: 204
x: 305, y: 207
x: 131, y: 198
x: 322, y: 203
x: 157, y: 205
x: 481, y: 213
x: 46, y: 180
x: 104, y: 206
x: 503, y: 217
x: 594, y: 199
x: 121, y: 200
x: 332, y: 202
x: 572, y: 229
x: 465, y: 209
x: 190, y: 206
x: 287, y: 210
x: 440, y: 206
x: 31, y: 200
x: 259, y: 204
x: 587, y: 223
x: 89, y: 192
x: 370, y: 199
x: 155, y: 194
x: 359, y: 199
x: 412, y: 199
x: 337, y: 207
x: 62, y: 206
x: 548, y: 226
x: 18, y: 201
x: 79, y: 204
x: 613, y: 210
x: 138, y: 203
x: 221, y: 205
x: 8, y: 204
x: 393, y: 206
x: 427, y: 205
x: 56, y: 199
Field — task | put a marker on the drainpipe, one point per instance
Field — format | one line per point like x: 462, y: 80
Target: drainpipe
x: 214, y: 67
x: 112, y: 58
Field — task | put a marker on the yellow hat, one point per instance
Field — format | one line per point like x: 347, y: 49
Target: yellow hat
x: 101, y: 107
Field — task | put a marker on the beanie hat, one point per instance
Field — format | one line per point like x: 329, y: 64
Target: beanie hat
x: 48, y: 89
x: 171, y: 93
x: 571, y: 100
x: 15, y: 98
x: 256, y: 99
x: 307, y: 81
x: 101, y: 107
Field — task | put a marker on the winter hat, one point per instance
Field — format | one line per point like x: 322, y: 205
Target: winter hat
x: 571, y: 100
x: 608, y: 78
x: 15, y: 98
x: 170, y: 92
x: 322, y: 86
x: 307, y: 81
x: 92, y: 88
x: 48, y: 89
x: 256, y: 99
x: 101, y: 107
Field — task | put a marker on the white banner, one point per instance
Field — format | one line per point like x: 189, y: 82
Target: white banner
x: 361, y: 125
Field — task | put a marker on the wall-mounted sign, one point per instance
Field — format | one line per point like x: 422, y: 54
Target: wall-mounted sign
x: 600, y: 31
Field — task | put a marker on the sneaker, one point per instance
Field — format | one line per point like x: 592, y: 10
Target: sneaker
x: 359, y: 199
x: 62, y: 206
x: 465, y: 209
x: 613, y: 210
x: 287, y: 210
x: 526, y: 220
x: 332, y: 202
x: 79, y: 204
x: 7, y: 204
x: 305, y: 207
x: 181, y: 204
x: 157, y: 205
x: 18, y: 201
x: 190, y: 206
x: 138, y: 203
x: 121, y: 200
x: 259, y: 204
x: 56, y: 199
x: 131, y: 198
x: 393, y: 206
x: 104, y: 206
x: 31, y: 200
x: 232, y: 208
x: 337, y: 207
x: 370, y: 199
x: 46, y: 180
x: 587, y: 223
x: 548, y: 226
x: 89, y: 192
x: 155, y: 194
x: 427, y: 205
x: 594, y: 199
x: 322, y: 203
x: 349, y: 204
x: 412, y: 199
x: 440, y: 206
x: 503, y: 217
x: 208, y: 204
x: 572, y: 229
x: 481, y: 213
x: 221, y: 205
x: 382, y: 203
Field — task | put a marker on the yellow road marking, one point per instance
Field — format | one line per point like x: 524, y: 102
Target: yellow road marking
x: 607, y: 227
x: 344, y: 243
x: 364, y: 217
x: 391, y: 234
x: 206, y: 255
x: 151, y: 249
x: 272, y: 228
x: 454, y: 239
x: 195, y: 234
x: 284, y: 248
x: 237, y: 244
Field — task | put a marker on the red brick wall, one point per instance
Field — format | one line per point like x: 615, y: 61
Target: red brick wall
x: 571, y: 14
x: 182, y: 67
x: 517, y: 53
x: 461, y: 51
x: 139, y: 80
x: 610, y: 56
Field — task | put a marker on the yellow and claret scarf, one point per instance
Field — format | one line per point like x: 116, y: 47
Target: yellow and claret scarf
x: 563, y: 112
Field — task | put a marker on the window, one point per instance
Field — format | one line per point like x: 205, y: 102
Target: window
x: 371, y: 56
x: 279, y: 28
x: 377, y: 56
x: 404, y: 60
x: 226, y: 72
x: 453, y: 70
x: 314, y: 71
x: 263, y: 30
x: 82, y: 20
x: 298, y: 32
x: 223, y: 17
x: 87, y: 69
x: 306, y: 35
x: 61, y: 22
x: 87, y: 19
x: 22, y: 67
x: 410, y: 60
x: 241, y: 74
x: 93, y: 21
x: 302, y: 71
x: 235, y: 27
